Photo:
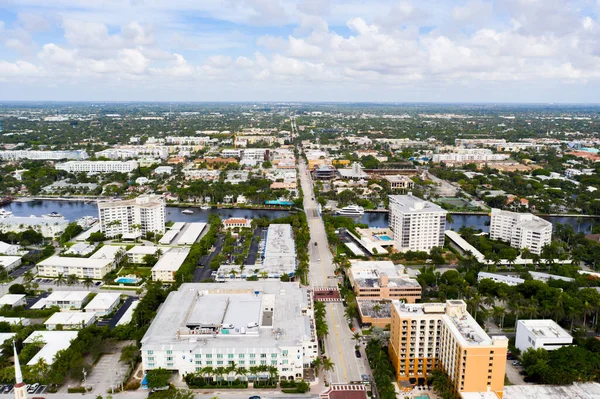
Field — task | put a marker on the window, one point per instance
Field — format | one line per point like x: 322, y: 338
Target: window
x: 219, y: 356
x: 241, y: 355
x: 151, y: 359
x: 230, y: 356
x: 274, y: 355
x: 284, y: 362
x: 198, y: 362
x: 198, y: 355
x: 150, y: 364
x: 263, y: 355
x: 241, y: 362
x: 263, y: 362
x: 252, y: 362
x: 219, y: 362
x: 169, y: 358
x: 169, y: 352
x: 150, y: 352
x: 284, y: 353
x: 252, y: 356
x: 209, y: 363
x: 208, y: 356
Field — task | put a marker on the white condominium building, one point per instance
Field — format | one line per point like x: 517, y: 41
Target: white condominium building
x: 249, y: 324
x: 42, y: 155
x: 521, y: 230
x: 418, y: 225
x: 141, y: 215
x: 98, y: 166
x: 470, y: 155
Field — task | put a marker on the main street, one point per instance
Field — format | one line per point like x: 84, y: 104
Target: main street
x: 339, y: 344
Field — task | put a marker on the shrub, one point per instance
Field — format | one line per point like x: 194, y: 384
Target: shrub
x: 76, y: 390
x: 132, y: 386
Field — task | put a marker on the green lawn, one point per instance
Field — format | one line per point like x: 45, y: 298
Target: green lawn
x: 139, y: 271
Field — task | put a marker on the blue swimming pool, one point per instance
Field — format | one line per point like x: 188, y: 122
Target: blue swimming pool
x: 127, y: 280
x: 384, y: 238
x: 422, y: 397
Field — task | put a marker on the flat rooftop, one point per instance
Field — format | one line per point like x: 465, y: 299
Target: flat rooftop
x: 76, y: 262
x: 223, y: 316
x: 11, y: 299
x: 108, y: 252
x: 534, y: 391
x: 71, y: 296
x: 146, y: 250
x: 191, y: 233
x: 454, y: 313
x: 54, y: 341
x: 545, y: 328
x: 172, y: 260
x: 369, y: 273
x: 70, y: 318
x: 104, y: 300
x: 375, y: 309
x: 411, y: 204
x: 280, y: 249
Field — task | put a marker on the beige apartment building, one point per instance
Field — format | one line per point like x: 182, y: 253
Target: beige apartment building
x: 383, y: 280
x: 445, y: 335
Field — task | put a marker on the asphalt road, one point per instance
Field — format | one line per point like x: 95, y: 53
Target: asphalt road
x: 339, y: 344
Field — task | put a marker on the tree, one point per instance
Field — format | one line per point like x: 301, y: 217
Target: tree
x: 72, y: 279
x: 158, y: 378
x: 60, y: 280
x: 317, y: 364
x: 149, y: 260
x: 88, y: 282
x: 97, y: 237
x: 130, y: 354
x: 17, y: 289
x: 328, y: 364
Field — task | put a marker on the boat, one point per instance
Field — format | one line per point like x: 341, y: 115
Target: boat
x: 351, y: 210
x: 187, y: 212
x: 5, y: 214
x: 205, y: 207
x: 52, y: 215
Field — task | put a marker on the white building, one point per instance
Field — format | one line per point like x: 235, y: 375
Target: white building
x: 538, y: 334
x: 521, y: 230
x: 418, y: 225
x: 191, y: 233
x: 8, y: 249
x: 259, y: 323
x: 241, y: 223
x: 65, y: 300
x: 121, y: 217
x: 500, y: 278
x: 464, y: 155
x: 104, y: 303
x: 137, y: 253
x: 10, y: 262
x: 82, y: 268
x: 168, y: 264
x: 70, y: 320
x: 163, y: 170
x: 12, y: 300
x: 14, y: 155
x: 54, y: 341
x: 98, y: 166
x: 399, y: 182
x: 48, y: 227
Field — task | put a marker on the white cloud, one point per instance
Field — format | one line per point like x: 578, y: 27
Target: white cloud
x: 34, y: 22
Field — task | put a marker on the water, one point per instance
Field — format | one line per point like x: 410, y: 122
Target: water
x: 73, y: 210
x: 126, y: 280
x: 481, y: 222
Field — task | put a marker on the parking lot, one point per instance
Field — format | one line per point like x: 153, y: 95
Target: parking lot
x: 513, y: 373
x: 34, y: 389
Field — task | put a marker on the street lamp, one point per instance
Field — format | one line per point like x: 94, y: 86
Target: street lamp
x: 84, y: 380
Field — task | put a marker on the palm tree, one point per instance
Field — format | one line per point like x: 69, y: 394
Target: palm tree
x: 219, y: 372
x: 231, y: 369
x: 60, y: 280
x: 317, y: 364
x: 206, y: 371
x: 254, y: 372
x: 588, y: 309
x: 264, y: 274
x: 273, y: 374
x: 498, y: 313
x: 328, y: 364
x: 28, y: 277
x: 356, y: 337
x: 88, y: 282
x: 72, y: 279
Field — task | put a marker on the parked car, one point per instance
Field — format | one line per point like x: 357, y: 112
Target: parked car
x: 357, y: 353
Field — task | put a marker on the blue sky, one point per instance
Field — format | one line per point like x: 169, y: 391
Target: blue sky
x: 300, y: 50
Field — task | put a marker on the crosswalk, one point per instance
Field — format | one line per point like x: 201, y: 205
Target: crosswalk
x: 343, y: 388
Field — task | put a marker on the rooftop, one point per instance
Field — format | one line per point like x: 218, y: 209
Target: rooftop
x: 146, y: 250
x: 369, y: 273
x: 280, y: 249
x: 68, y: 261
x: 55, y: 341
x: 104, y: 300
x: 72, y: 296
x: 411, y: 204
x: 10, y: 299
x: 222, y: 315
x: 375, y: 309
x: 172, y: 260
x: 70, y: 318
x: 545, y: 328
x: 456, y: 317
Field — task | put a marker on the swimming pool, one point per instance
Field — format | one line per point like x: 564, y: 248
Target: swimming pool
x: 127, y: 280
x: 384, y: 238
x: 422, y: 397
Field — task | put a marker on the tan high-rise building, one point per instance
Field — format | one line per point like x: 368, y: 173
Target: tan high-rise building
x: 445, y: 335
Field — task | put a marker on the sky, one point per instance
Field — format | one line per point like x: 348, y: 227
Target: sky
x: 300, y: 50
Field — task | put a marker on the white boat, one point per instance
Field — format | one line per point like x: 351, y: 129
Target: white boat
x: 187, y: 212
x: 52, y: 215
x: 351, y: 210
x: 205, y: 207
x: 5, y: 214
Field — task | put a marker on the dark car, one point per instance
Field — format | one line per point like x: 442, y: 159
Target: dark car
x: 254, y: 397
x: 357, y: 353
